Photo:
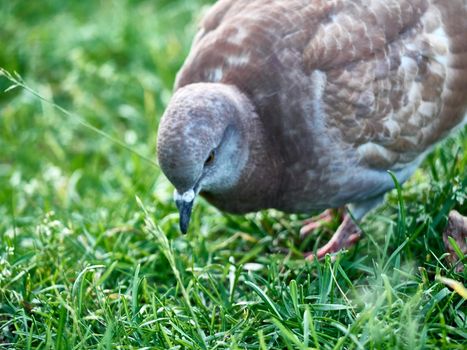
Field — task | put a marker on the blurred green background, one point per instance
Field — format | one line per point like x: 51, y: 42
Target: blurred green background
x: 80, y: 268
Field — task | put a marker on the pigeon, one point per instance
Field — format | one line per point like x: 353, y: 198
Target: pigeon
x: 305, y: 105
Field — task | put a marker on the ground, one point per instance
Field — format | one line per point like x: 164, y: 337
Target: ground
x: 90, y: 252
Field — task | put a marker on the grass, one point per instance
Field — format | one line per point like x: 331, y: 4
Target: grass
x: 90, y: 254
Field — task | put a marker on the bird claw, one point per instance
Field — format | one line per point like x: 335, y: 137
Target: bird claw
x: 316, y: 222
x: 457, y: 230
x: 346, y: 236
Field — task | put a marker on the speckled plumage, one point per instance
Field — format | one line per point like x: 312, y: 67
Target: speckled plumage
x: 325, y: 96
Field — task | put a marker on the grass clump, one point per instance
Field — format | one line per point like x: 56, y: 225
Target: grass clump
x: 90, y: 254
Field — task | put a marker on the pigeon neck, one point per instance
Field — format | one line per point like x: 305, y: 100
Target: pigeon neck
x: 259, y: 181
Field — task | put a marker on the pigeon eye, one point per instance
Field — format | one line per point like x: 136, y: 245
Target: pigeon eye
x: 210, y: 159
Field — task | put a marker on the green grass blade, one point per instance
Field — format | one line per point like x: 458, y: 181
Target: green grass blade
x: 269, y: 303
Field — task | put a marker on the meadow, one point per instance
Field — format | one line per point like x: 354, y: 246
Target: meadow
x: 90, y: 252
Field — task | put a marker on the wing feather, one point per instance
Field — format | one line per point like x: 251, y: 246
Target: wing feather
x: 392, y: 85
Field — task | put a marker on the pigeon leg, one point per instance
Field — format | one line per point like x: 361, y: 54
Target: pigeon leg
x: 457, y: 230
x: 316, y: 222
x: 346, y: 235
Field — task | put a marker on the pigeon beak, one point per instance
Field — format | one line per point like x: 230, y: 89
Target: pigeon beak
x: 184, y: 204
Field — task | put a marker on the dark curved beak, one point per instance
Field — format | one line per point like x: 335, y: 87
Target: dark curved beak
x: 184, y: 208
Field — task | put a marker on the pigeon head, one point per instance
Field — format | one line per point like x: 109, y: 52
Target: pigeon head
x: 201, y: 142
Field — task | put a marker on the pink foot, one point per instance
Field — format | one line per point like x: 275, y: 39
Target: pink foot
x: 316, y: 222
x: 457, y: 230
x: 346, y: 236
